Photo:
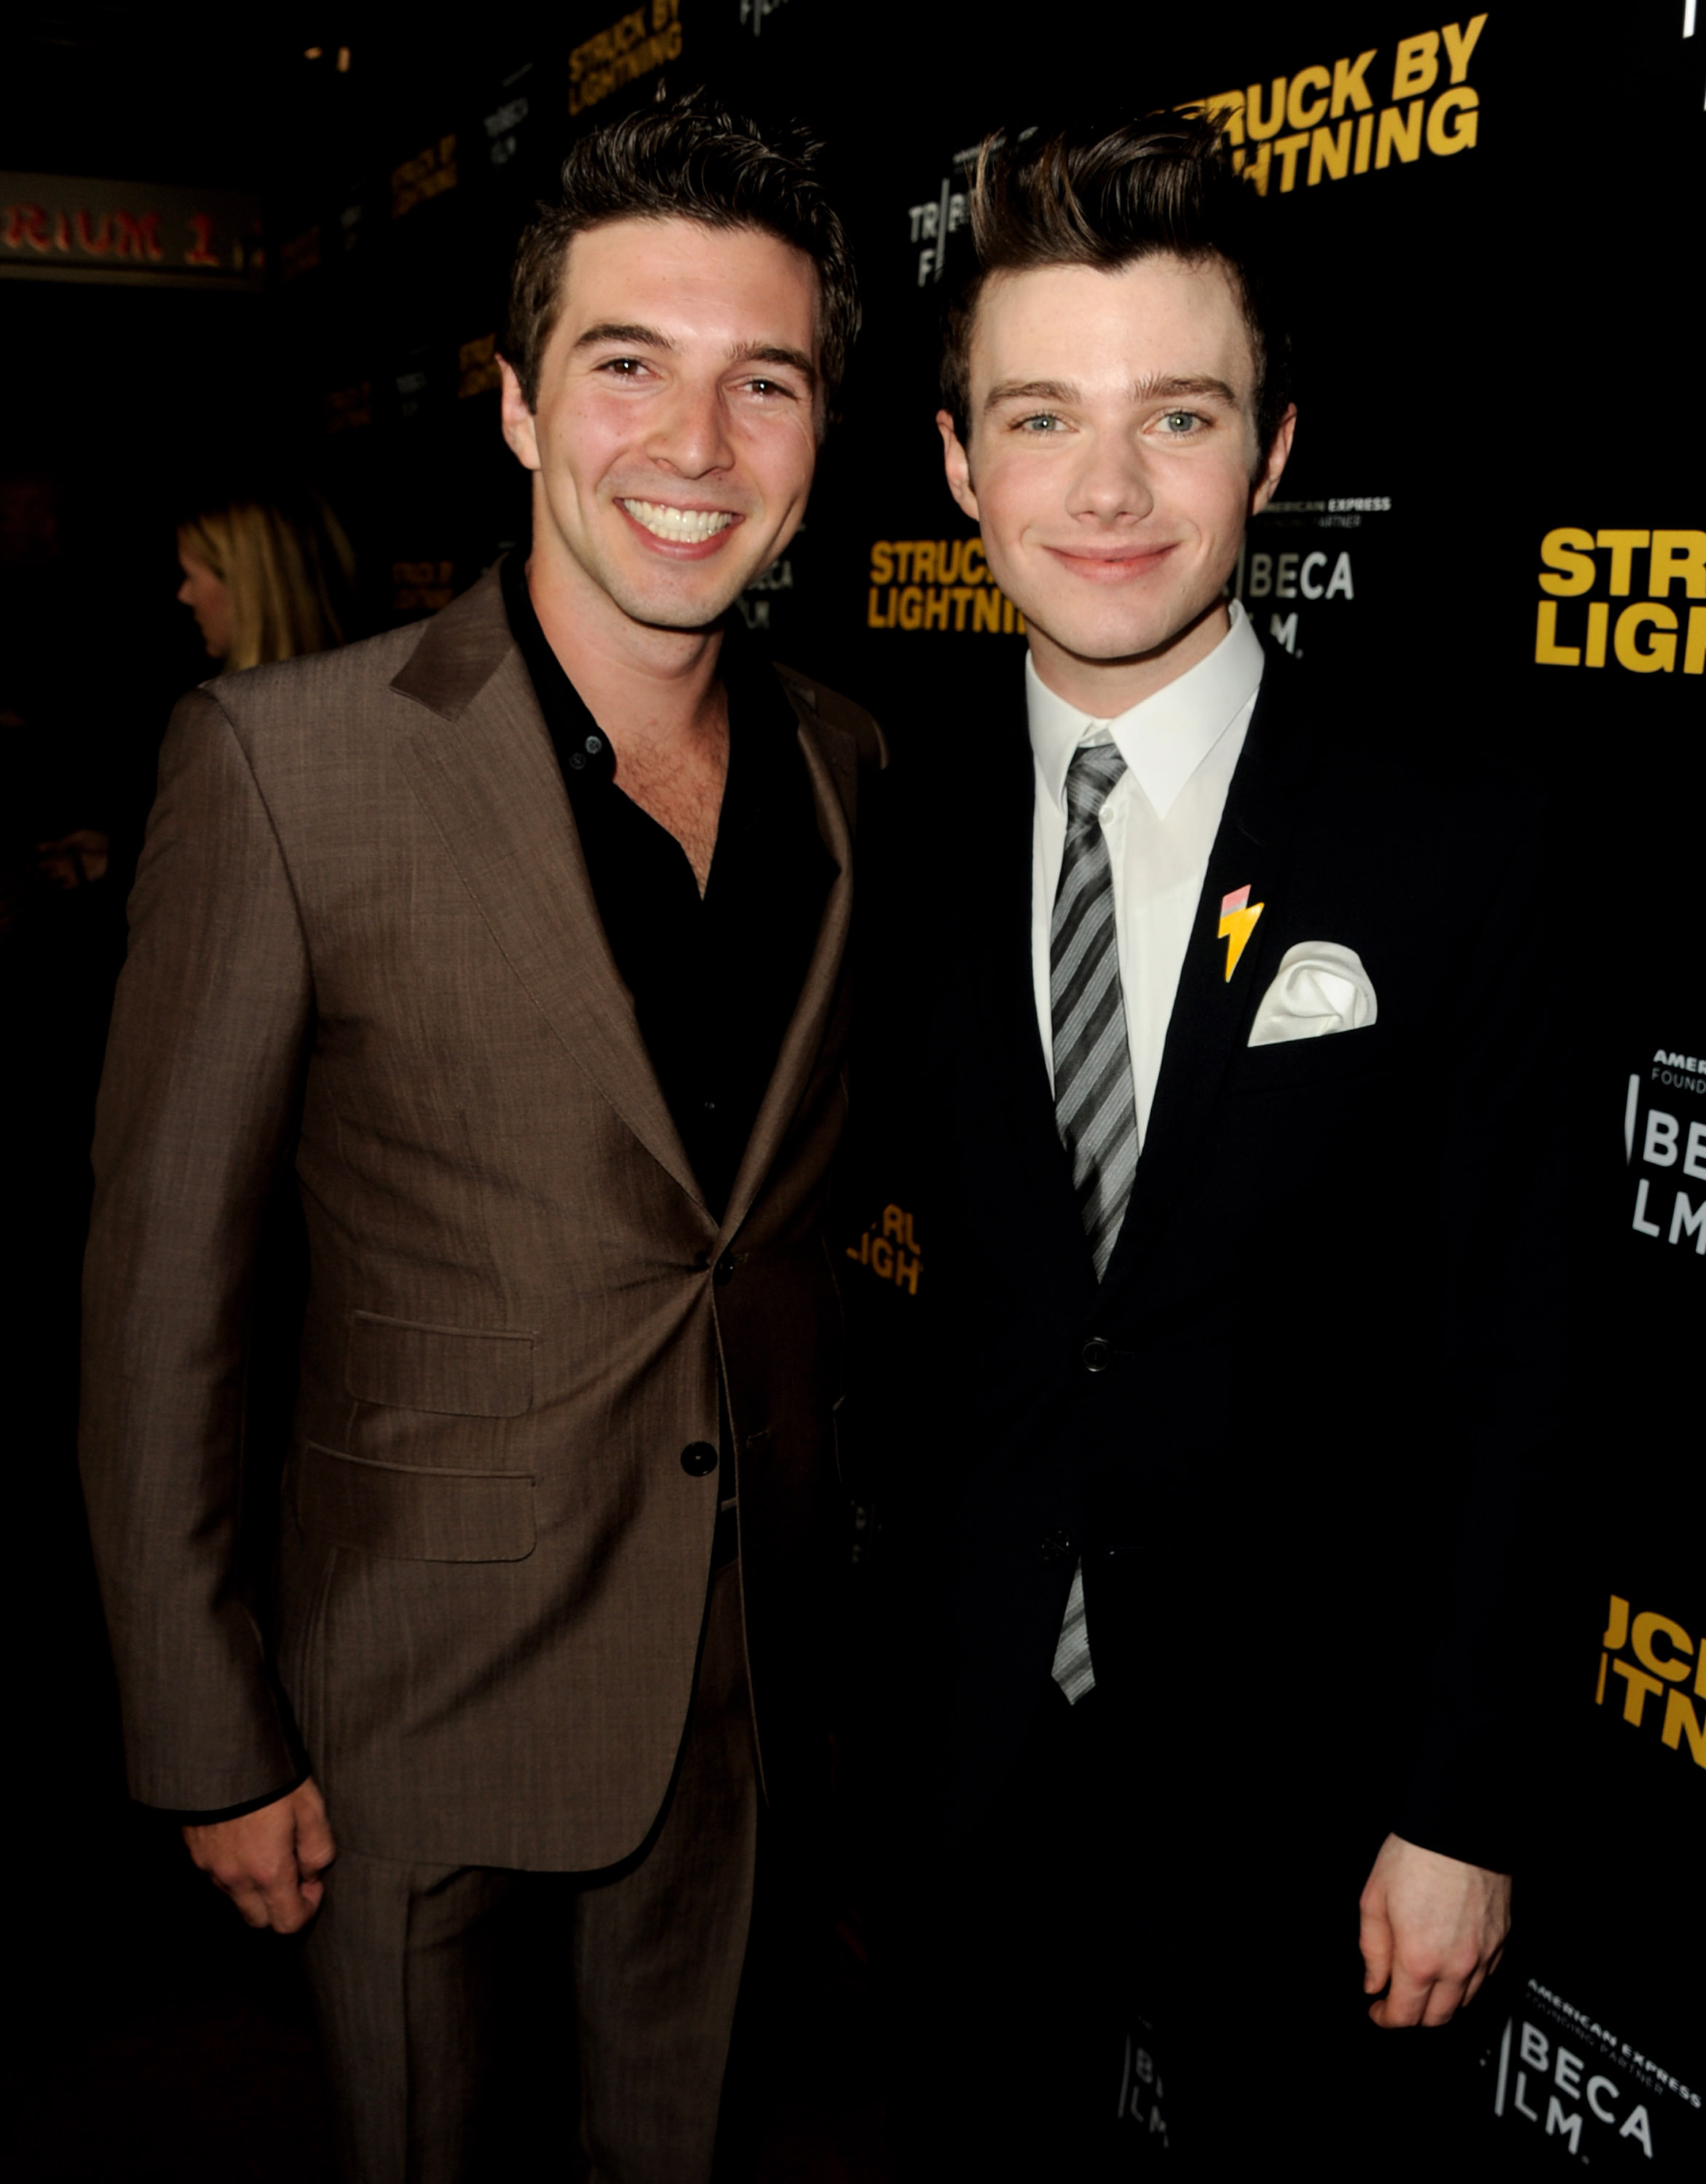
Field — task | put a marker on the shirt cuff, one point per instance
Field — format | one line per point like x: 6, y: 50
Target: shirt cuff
x: 237, y: 1812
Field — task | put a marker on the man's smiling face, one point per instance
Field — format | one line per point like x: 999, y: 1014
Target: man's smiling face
x: 676, y: 426
x: 1112, y: 451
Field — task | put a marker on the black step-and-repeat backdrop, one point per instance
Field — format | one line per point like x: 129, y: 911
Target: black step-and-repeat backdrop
x: 1495, y: 521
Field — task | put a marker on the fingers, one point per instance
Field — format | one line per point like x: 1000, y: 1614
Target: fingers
x: 1375, y: 1940
x: 1406, y: 2001
x: 315, y: 1848
x: 1427, y: 1992
x: 1433, y: 1925
x: 266, y: 1886
x: 1445, y: 1999
x: 269, y: 1861
x: 249, y: 1900
x: 1413, y: 2001
x: 289, y: 1903
x: 1483, y: 1972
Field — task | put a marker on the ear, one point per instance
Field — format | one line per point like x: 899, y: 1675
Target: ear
x: 958, y: 465
x: 1273, y: 468
x: 521, y: 427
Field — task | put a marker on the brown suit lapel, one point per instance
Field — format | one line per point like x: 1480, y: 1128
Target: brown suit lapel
x: 488, y: 778
x: 483, y: 766
x: 832, y: 760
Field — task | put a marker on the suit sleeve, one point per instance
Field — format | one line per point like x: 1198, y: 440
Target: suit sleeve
x: 1504, y: 1183
x: 196, y: 1112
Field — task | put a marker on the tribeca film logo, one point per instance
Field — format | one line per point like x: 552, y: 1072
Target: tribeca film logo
x: 1668, y: 1141
x: 1664, y: 1654
x: 933, y: 220
x: 755, y: 606
x: 1328, y: 114
x: 1646, y: 635
x: 1305, y: 573
x: 1140, y: 2090
x: 1538, y: 2076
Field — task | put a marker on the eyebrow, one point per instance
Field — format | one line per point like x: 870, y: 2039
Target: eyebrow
x: 609, y: 330
x: 635, y: 336
x: 1165, y: 388
x: 771, y: 353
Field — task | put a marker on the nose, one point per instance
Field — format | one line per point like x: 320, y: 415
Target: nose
x: 690, y: 433
x: 186, y: 596
x: 1112, y: 482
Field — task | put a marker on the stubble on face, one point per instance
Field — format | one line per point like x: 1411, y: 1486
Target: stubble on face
x: 676, y: 430
x: 1112, y: 448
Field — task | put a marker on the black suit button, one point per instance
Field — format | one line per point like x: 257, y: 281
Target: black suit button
x: 1098, y: 1354
x: 723, y: 1271
x: 698, y: 1458
x: 1057, y: 1546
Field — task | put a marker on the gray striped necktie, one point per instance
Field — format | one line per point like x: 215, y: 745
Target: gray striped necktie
x: 1096, y: 1108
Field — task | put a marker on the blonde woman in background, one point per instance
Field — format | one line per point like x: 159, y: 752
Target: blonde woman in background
x: 267, y: 579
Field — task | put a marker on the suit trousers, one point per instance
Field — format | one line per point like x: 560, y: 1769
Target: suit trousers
x: 478, y: 2022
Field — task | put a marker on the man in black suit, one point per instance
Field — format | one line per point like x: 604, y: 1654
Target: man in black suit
x: 1224, y: 1150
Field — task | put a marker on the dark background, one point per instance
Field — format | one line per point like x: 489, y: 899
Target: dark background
x: 1494, y: 342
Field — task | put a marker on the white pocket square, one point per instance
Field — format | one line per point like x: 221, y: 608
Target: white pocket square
x: 1320, y: 987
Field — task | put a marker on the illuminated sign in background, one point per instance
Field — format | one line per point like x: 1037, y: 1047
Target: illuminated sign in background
x: 62, y: 227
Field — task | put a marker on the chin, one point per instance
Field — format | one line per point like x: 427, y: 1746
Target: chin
x: 661, y: 606
x: 1123, y: 636
x: 1105, y: 645
x: 675, y: 612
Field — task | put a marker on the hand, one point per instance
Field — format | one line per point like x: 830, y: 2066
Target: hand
x: 1433, y: 1928
x: 269, y: 1862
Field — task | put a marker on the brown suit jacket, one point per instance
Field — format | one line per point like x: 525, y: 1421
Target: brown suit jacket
x: 364, y: 942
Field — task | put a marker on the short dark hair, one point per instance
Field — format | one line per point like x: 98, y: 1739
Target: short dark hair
x: 687, y: 159
x: 1106, y: 196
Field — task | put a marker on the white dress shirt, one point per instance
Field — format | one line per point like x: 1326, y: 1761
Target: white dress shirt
x: 1160, y: 821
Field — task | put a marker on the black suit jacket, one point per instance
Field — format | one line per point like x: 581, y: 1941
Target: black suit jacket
x: 1291, y: 1433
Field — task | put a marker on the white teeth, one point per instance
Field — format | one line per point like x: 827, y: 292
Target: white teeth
x: 690, y: 526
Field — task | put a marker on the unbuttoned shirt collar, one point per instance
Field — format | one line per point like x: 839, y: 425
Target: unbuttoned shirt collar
x: 1162, y: 738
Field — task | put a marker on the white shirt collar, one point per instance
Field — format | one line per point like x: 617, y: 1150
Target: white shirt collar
x: 1162, y: 738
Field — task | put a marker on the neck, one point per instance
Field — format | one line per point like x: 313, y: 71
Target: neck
x: 1105, y: 689
x: 649, y: 688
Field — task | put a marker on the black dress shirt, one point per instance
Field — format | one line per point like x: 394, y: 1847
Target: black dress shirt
x: 714, y: 980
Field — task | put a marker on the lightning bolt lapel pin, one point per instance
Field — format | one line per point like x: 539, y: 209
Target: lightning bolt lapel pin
x: 1238, y: 916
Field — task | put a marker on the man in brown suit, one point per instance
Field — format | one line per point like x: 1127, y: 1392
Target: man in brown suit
x: 520, y: 938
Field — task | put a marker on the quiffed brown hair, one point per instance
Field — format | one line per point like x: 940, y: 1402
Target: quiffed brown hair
x: 1107, y: 196
x: 690, y: 159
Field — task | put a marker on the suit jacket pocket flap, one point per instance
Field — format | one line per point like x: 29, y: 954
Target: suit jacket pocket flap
x: 459, y: 1371
x: 413, y: 1515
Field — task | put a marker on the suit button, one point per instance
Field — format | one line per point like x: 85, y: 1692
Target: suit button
x: 698, y: 1458
x: 1098, y: 1354
x: 723, y: 1271
x: 1057, y: 1546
